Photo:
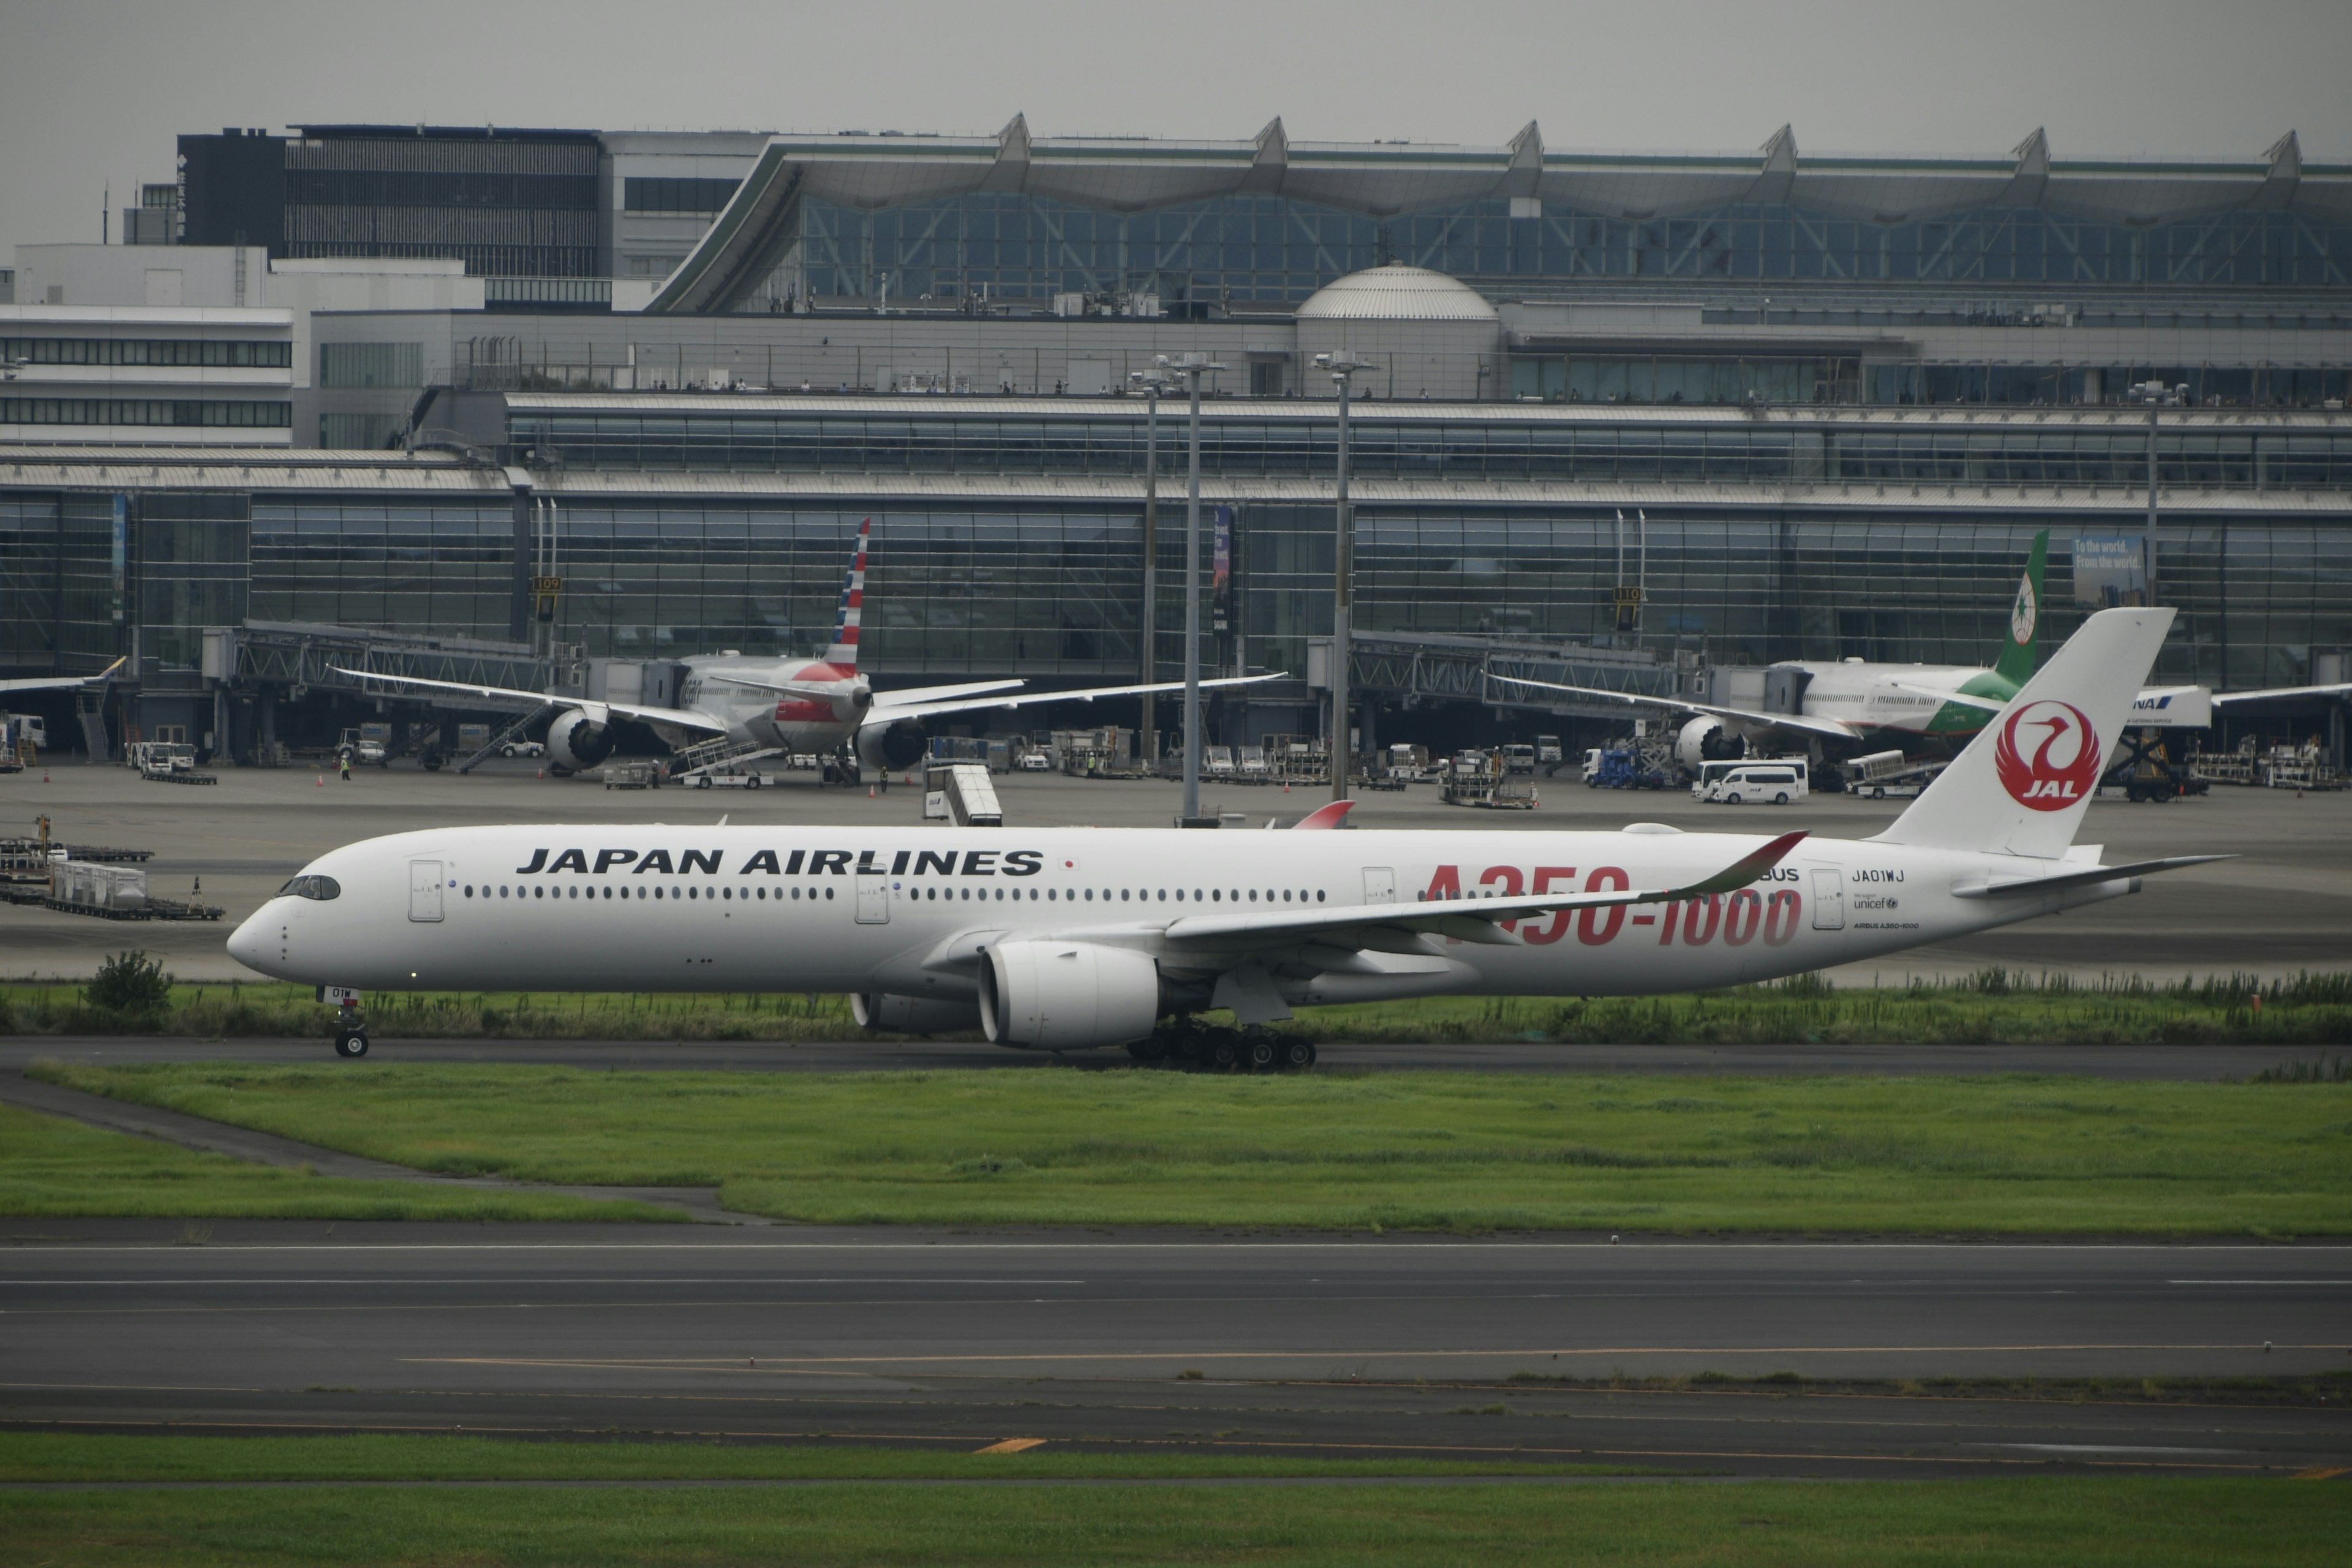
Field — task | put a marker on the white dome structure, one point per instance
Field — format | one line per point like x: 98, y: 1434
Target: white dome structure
x: 1397, y: 292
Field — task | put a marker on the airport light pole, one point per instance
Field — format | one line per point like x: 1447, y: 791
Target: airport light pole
x: 1151, y: 381
x: 1341, y: 366
x: 1191, y: 367
x: 2156, y: 394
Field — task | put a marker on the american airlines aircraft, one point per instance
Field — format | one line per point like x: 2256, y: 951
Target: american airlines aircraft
x: 769, y: 705
x: 1064, y: 939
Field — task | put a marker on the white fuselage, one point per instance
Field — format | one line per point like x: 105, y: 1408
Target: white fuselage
x: 650, y: 908
x: 797, y: 722
x: 1882, y: 696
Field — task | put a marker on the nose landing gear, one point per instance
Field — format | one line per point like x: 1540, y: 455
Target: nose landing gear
x: 351, y: 1029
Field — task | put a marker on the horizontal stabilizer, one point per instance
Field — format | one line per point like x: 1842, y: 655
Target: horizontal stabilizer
x: 2024, y: 887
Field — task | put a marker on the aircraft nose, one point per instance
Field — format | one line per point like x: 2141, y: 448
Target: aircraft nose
x: 248, y: 944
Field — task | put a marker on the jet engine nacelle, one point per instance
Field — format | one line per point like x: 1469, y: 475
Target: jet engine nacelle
x: 575, y: 741
x: 913, y: 1015
x: 1708, y: 740
x: 886, y: 747
x: 1061, y: 995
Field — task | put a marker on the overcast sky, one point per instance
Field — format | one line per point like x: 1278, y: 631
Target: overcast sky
x: 95, y: 91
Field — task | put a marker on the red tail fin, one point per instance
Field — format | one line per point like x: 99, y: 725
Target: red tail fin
x: 843, y: 651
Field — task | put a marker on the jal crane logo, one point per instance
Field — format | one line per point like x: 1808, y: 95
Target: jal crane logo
x: 2062, y: 766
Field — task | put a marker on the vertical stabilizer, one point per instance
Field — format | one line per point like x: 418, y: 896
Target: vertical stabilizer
x: 2022, y: 787
x: 843, y: 651
x: 2015, y: 664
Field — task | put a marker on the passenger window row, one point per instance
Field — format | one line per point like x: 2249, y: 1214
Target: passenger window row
x: 928, y: 894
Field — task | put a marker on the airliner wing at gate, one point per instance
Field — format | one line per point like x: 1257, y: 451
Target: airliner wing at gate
x: 680, y: 717
x: 884, y: 712
x: 1835, y: 728
x: 58, y: 682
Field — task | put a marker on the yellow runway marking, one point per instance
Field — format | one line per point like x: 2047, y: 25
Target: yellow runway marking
x: 1013, y: 1445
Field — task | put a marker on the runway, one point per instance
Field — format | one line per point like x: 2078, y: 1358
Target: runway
x: 2187, y: 1064
x: 1145, y: 1341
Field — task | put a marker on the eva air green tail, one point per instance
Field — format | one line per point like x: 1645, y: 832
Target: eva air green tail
x: 2015, y: 664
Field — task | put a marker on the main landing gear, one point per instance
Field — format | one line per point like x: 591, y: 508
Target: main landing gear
x: 1197, y: 1047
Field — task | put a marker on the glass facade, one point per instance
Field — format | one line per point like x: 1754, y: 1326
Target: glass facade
x: 1495, y: 447
x: 973, y: 588
x: 1270, y: 249
x: 147, y: 350
x: 184, y: 411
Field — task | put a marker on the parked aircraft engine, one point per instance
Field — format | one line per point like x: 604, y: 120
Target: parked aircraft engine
x: 575, y: 740
x: 1059, y: 995
x: 913, y: 1015
x: 889, y: 746
x: 1708, y: 740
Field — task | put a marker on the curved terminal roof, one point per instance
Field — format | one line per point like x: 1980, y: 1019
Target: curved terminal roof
x: 1397, y: 292
x: 1382, y: 179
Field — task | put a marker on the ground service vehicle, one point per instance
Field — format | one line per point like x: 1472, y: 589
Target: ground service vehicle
x: 1776, y: 782
x: 1064, y: 938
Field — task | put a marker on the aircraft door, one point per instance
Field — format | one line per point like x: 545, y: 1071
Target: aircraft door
x: 1829, y: 899
x: 873, y: 899
x: 1379, y: 884
x: 425, y: 889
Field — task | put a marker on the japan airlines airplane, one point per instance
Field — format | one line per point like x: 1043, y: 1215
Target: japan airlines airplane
x: 1062, y: 939
x: 1845, y: 707
x: 769, y: 705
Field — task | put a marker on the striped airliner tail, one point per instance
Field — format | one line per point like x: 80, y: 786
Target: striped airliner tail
x: 843, y: 651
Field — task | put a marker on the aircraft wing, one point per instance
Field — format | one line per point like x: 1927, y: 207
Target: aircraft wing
x: 883, y: 711
x: 2014, y: 887
x: 944, y: 693
x: 1471, y: 920
x: 57, y: 682
x: 1837, y: 728
x: 816, y: 689
x: 679, y: 717
x: 2340, y: 689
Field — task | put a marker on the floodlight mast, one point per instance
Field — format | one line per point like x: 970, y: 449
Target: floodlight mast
x: 2157, y: 396
x: 1152, y: 382
x: 1341, y: 366
x: 1191, y: 368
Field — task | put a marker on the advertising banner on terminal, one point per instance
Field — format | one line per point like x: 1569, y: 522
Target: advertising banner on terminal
x: 2110, y: 570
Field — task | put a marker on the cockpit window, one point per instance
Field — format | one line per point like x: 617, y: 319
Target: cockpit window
x: 321, y: 888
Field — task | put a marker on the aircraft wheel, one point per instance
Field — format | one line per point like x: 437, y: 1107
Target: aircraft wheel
x: 350, y: 1043
x: 1297, y: 1054
x: 1222, y: 1054
x: 1260, y: 1052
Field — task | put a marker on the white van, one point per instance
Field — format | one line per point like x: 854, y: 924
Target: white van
x: 1776, y: 782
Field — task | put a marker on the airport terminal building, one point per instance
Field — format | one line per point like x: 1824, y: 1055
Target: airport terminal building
x: 1811, y: 407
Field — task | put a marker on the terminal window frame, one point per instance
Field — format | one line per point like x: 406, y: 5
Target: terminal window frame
x: 171, y: 351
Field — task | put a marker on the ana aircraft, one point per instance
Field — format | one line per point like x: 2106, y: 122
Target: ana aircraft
x: 1072, y: 938
x: 767, y: 705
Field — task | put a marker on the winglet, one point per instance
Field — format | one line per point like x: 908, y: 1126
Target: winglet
x: 1322, y: 816
x: 1745, y: 869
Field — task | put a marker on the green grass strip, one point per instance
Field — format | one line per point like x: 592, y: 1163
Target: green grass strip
x: 2005, y: 1154
x: 61, y: 1169
x: 1993, y: 1006
x: 2124, y: 1523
